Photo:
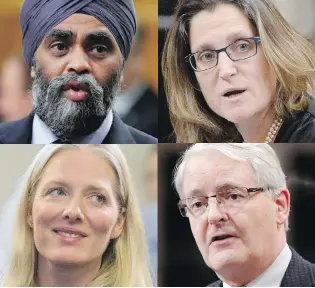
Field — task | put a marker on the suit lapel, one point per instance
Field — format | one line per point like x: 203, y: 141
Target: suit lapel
x: 118, y: 133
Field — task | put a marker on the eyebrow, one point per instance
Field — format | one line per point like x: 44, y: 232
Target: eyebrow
x: 231, y: 38
x: 194, y: 192
x: 55, y: 184
x: 100, y: 37
x: 91, y: 38
x: 200, y: 192
x: 96, y: 188
x: 60, y: 34
x: 60, y: 183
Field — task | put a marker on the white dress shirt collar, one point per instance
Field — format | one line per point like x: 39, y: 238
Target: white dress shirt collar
x: 273, y: 275
x: 42, y: 134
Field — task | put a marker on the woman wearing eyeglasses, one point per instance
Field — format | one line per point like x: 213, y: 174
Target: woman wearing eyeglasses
x: 235, y: 71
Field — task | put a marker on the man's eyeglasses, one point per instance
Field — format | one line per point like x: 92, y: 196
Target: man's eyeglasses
x: 239, y: 50
x: 231, y: 199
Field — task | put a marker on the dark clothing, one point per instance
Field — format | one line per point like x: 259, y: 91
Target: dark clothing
x: 300, y: 273
x: 144, y: 113
x: 301, y: 128
x: 20, y: 132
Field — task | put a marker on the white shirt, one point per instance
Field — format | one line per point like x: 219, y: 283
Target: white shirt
x: 43, y: 135
x: 273, y: 275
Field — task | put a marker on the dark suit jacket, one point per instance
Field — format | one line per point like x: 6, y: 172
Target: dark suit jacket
x: 300, y: 273
x: 20, y: 132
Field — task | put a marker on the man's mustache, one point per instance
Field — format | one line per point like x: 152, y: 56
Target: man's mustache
x: 86, y: 80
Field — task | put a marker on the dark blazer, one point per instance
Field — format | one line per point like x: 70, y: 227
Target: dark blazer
x: 300, y: 128
x: 20, y: 132
x: 300, y: 273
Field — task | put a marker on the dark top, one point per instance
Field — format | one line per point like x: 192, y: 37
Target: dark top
x: 144, y: 115
x: 20, y: 132
x: 300, y: 273
x: 301, y: 128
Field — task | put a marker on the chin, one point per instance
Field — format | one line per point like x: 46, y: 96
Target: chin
x: 222, y: 259
x: 239, y: 117
x: 69, y: 258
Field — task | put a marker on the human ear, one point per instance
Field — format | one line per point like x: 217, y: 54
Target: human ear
x: 283, y: 206
x: 119, y: 226
x: 30, y: 217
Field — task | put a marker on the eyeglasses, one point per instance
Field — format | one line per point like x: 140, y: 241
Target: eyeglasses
x: 239, y: 50
x: 232, y: 199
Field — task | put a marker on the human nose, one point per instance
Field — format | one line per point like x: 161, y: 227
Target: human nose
x: 215, y: 213
x: 226, y: 66
x: 78, y: 61
x: 73, y: 211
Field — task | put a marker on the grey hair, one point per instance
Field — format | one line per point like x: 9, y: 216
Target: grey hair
x: 261, y: 157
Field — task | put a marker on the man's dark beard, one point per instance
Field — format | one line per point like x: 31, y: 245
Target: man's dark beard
x: 68, y: 119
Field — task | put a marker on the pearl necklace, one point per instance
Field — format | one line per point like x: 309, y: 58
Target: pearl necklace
x: 273, y: 131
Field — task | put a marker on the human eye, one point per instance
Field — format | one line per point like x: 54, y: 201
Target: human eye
x: 59, y: 48
x: 99, y: 50
x: 242, y: 46
x: 197, y: 203
x: 56, y: 192
x: 234, y: 195
x: 206, y: 56
x: 98, y: 198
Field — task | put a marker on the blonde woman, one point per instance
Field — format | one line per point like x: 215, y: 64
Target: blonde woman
x: 235, y: 71
x: 78, y: 223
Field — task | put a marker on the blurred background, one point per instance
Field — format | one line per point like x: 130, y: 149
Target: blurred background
x: 300, y: 14
x: 180, y: 262
x: 137, y: 105
x: 142, y: 162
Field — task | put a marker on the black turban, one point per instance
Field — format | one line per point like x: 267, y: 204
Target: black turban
x: 38, y: 17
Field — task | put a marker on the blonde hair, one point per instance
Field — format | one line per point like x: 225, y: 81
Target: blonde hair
x: 290, y: 55
x: 125, y: 261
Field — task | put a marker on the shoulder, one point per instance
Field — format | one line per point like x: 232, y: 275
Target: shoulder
x: 17, y: 132
x: 4, y: 127
x: 141, y: 137
x: 121, y: 133
x: 300, y: 272
x: 300, y: 128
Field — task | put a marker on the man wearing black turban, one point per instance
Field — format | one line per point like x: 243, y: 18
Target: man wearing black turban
x: 76, y: 50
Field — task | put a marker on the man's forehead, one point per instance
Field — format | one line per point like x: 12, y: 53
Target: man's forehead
x: 213, y: 168
x: 82, y: 22
x: 210, y: 158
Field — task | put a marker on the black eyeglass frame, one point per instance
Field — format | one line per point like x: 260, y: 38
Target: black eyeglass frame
x: 256, y: 39
x: 181, y: 206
